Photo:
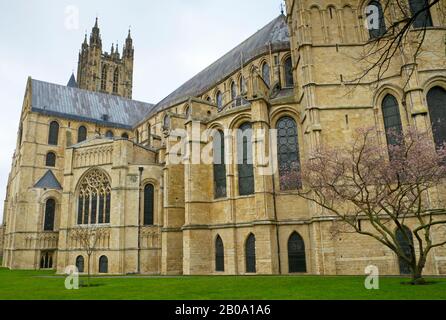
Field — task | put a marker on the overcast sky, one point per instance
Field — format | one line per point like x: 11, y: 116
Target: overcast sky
x: 173, y: 41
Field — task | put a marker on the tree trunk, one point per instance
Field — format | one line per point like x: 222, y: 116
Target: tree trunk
x: 417, y: 274
x: 88, y: 270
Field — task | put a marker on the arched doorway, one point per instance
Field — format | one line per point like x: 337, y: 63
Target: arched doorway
x: 296, y: 254
x: 250, y: 253
x: 103, y: 264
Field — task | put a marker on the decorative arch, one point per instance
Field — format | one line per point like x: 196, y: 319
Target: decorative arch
x: 94, y: 198
x: 219, y: 254
x: 296, y: 254
x: 109, y: 134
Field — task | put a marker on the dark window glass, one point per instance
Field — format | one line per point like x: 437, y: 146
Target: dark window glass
x: 392, y: 120
x: 104, y: 78
x: 288, y: 154
x: 289, y: 81
x: 125, y: 135
x: 149, y: 193
x: 94, y: 208
x: 266, y: 74
x: 219, y: 255
x: 80, y: 264
x: 219, y: 99
x: 80, y: 210
x: 381, y: 27
x: 250, y: 253
x: 53, y: 136
x: 103, y: 264
x: 50, y: 159
x: 109, y: 134
x: 50, y: 210
x: 244, y: 160
x: 116, y: 81
x: 81, y: 134
x: 219, y: 165
x: 87, y: 210
x: 436, y: 100
x: 404, y: 239
x: 423, y: 18
x: 166, y: 122
x: 46, y: 260
x: 296, y: 254
x: 101, y: 214
x: 107, y: 208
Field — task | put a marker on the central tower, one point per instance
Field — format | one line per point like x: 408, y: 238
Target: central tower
x: 106, y: 72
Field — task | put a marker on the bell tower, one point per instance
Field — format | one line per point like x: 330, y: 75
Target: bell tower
x: 105, y: 72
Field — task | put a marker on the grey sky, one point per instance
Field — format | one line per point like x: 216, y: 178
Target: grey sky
x: 173, y: 41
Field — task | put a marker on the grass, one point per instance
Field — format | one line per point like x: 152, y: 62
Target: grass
x: 37, y: 285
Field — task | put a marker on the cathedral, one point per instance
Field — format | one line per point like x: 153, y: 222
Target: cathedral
x: 87, y: 154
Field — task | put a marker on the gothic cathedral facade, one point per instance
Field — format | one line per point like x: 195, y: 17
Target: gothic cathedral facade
x: 87, y: 154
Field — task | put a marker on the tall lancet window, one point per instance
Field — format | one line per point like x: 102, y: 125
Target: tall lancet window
x: 94, y: 198
x: 104, y: 78
x: 420, y: 10
x: 116, y: 81
x: 219, y: 165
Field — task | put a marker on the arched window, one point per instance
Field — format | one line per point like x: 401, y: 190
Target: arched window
x: 250, y: 254
x: 187, y: 112
x: 288, y: 154
x: 50, y: 159
x: 288, y: 66
x: 104, y: 78
x: 53, y: 135
x: 233, y: 91
x: 421, y: 7
x: 245, y: 160
x: 404, y: 239
x: 266, y: 74
x: 242, y: 85
x: 149, y: 197
x: 50, y: 211
x: 116, y: 80
x: 219, y: 255
x: 103, y: 264
x: 376, y: 28
x: 219, y: 100
x: 392, y: 120
x: 436, y: 100
x: 166, y: 122
x: 81, y: 134
x: 94, y: 198
x: 219, y: 165
x: 109, y: 134
x: 125, y: 135
x: 137, y: 136
x: 80, y: 264
x: 296, y: 254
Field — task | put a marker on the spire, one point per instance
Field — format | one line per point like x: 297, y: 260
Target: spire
x: 72, y: 82
x: 112, y: 49
x: 128, y: 47
x: 95, y: 37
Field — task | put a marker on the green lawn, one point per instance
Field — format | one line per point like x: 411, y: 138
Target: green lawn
x: 25, y: 285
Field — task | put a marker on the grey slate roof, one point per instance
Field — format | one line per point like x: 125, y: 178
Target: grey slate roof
x: 72, y: 82
x: 82, y: 105
x: 48, y: 181
x: 275, y: 33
